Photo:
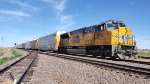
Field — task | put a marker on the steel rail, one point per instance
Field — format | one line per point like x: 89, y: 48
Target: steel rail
x: 25, y: 71
x: 134, y: 69
x: 144, y: 57
x: 131, y: 61
x: 139, y: 62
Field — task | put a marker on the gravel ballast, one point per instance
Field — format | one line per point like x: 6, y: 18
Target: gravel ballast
x: 54, y: 70
x: 115, y: 62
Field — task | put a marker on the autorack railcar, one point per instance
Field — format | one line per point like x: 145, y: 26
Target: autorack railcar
x: 21, y: 46
x: 34, y: 45
x: 28, y: 45
x: 49, y: 42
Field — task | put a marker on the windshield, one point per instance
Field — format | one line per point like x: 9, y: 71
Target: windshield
x: 122, y: 25
x: 114, y: 25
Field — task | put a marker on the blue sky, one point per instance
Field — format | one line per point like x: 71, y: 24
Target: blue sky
x: 24, y: 20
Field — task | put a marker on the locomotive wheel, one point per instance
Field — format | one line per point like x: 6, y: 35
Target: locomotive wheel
x: 94, y: 55
x: 103, y: 56
x: 113, y: 58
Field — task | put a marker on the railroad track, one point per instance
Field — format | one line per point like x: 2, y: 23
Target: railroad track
x: 127, y: 68
x: 143, y: 57
x: 14, y: 73
x: 131, y: 61
x: 139, y: 62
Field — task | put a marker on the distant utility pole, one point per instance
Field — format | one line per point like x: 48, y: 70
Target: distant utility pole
x: 2, y: 41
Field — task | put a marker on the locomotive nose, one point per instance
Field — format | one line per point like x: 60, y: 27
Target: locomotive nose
x: 126, y: 36
x: 125, y: 39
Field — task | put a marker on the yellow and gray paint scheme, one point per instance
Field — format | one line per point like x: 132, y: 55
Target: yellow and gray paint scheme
x: 111, y: 38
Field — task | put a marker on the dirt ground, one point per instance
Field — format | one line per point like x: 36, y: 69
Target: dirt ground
x: 8, y: 52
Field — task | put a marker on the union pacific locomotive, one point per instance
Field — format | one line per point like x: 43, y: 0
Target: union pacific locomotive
x: 107, y: 39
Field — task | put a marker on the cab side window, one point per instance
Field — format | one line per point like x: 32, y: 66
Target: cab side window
x: 100, y: 27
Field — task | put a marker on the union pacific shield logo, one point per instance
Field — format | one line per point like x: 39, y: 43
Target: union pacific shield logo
x: 125, y: 38
x: 76, y: 39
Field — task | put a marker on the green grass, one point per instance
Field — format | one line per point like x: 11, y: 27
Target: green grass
x: 6, y: 59
x: 16, y: 53
x: 142, y: 53
x: 1, y: 53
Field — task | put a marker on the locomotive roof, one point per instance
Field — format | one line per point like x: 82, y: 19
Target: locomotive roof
x: 109, y: 21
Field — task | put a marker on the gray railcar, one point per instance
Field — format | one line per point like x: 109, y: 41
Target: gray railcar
x: 28, y: 45
x: 46, y: 42
x: 34, y: 45
x: 50, y: 42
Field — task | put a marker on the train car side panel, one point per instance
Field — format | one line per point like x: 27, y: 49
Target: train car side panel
x: 46, y: 42
x: 102, y: 38
x: 49, y: 42
x: 28, y: 45
x: 34, y: 45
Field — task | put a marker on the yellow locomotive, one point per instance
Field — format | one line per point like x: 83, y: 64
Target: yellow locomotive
x: 107, y: 39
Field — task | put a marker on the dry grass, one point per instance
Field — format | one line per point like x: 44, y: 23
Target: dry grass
x: 2, y: 52
x: 144, y: 52
x: 15, y: 54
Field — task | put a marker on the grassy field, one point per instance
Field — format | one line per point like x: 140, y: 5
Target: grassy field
x: 144, y: 53
x: 15, y: 54
x: 1, y: 52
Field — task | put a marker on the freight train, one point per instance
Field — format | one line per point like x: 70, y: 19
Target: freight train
x: 108, y: 39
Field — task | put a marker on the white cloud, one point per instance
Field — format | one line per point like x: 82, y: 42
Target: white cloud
x: 21, y: 9
x: 64, y: 18
x: 23, y: 4
x: 66, y: 21
x: 59, y: 6
x: 14, y: 13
